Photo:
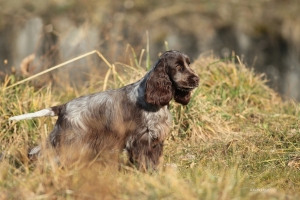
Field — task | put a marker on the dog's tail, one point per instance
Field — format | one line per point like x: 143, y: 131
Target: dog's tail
x: 53, y: 111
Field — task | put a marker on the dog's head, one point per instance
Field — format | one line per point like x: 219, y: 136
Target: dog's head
x: 171, y: 77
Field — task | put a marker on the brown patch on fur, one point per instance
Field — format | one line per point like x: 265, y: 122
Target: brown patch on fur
x: 158, y: 86
x: 182, y: 97
x: 146, y: 153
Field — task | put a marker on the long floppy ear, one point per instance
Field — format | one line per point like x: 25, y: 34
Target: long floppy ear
x: 182, y: 97
x: 159, y: 90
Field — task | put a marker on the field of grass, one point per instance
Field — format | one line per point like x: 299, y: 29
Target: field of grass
x: 235, y: 140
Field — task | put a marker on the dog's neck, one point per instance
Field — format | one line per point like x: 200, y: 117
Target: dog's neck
x: 140, y: 89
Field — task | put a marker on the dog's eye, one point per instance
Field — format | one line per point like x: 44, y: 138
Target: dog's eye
x: 179, y: 67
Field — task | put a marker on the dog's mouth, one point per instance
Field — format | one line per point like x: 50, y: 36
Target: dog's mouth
x: 186, y: 88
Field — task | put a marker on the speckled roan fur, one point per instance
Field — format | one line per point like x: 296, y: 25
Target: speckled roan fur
x: 135, y: 117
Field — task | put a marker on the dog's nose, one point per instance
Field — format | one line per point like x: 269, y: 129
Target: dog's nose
x: 196, y: 79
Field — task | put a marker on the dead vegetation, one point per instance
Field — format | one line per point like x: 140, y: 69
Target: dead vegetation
x: 235, y: 140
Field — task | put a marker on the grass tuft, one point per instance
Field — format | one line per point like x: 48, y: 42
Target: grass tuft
x: 235, y: 140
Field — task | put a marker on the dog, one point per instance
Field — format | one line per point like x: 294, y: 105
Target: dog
x: 134, y: 118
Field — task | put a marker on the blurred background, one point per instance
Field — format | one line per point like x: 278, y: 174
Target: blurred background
x: 36, y: 35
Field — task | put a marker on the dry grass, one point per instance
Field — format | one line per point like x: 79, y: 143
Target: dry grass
x: 235, y: 140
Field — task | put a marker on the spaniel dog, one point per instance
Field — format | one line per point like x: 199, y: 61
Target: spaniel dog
x: 134, y: 118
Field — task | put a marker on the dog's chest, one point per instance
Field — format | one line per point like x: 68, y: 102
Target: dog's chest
x: 157, y: 123
x: 161, y: 116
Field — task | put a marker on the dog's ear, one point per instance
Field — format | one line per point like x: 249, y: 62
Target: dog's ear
x: 159, y: 90
x: 182, y: 97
